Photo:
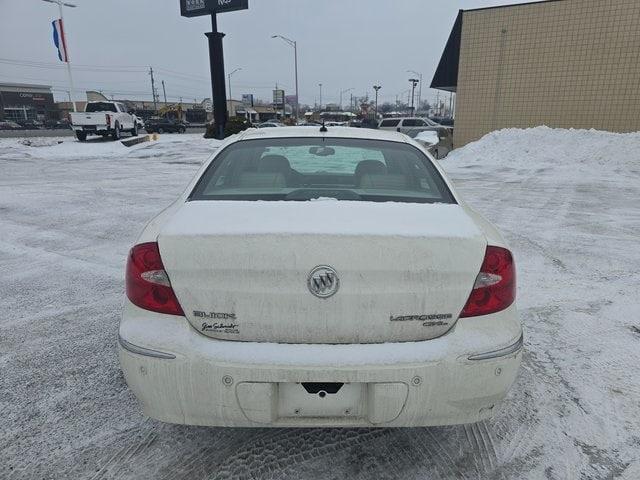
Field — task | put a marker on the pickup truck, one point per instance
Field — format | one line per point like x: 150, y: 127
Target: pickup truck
x: 103, y: 118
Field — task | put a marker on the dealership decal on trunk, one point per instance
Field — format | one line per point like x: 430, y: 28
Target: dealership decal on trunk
x: 433, y: 320
x: 218, y: 327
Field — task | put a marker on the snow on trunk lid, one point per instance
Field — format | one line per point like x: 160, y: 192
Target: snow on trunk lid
x: 247, y: 270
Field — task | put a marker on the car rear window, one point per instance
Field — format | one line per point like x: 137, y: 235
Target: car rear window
x: 101, y: 107
x: 390, y: 123
x: 299, y: 169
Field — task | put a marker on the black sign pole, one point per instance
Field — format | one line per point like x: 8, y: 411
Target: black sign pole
x: 218, y: 86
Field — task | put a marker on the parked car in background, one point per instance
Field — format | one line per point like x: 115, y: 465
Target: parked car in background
x: 139, y: 121
x: 445, y: 121
x: 270, y: 125
x: 164, y: 125
x: 10, y: 126
x: 410, y: 125
x: 57, y: 124
x: 30, y: 124
x: 105, y: 119
x: 320, y: 278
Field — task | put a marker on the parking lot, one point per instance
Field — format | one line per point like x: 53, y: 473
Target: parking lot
x: 567, y: 201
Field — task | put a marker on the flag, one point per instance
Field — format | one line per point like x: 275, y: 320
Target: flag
x: 60, y: 40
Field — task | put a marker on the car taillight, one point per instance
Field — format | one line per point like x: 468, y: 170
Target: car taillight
x: 108, y: 120
x: 148, y: 284
x: 495, y: 287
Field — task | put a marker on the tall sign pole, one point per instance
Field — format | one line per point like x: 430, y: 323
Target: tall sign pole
x: 216, y: 64
x: 196, y: 8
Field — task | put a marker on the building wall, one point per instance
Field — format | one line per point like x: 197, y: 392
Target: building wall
x: 566, y: 63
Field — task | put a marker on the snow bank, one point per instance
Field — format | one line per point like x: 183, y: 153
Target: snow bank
x: 428, y: 137
x: 68, y: 148
x: 544, y: 147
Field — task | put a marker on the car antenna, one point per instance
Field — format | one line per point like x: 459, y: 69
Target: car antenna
x: 323, y: 129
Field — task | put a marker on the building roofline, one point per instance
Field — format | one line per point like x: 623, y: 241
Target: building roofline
x: 495, y: 7
x: 24, y: 85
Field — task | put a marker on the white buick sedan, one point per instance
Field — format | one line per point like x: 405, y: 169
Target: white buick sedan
x: 320, y: 277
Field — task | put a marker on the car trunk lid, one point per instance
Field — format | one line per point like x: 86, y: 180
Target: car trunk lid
x: 241, y: 269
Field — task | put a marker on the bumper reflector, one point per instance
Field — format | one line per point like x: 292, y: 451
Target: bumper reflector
x: 503, y: 352
x: 130, y: 347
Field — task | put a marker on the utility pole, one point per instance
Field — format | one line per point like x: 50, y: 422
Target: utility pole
x: 320, y: 85
x: 341, y: 93
x: 164, y: 91
x: 414, y: 82
x: 65, y: 45
x: 377, y: 88
x: 153, y: 90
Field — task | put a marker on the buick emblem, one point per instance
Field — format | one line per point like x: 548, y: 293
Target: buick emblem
x: 323, y: 281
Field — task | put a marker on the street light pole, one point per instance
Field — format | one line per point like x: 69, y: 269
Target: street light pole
x: 376, y: 88
x: 293, y: 44
x: 231, y: 109
x: 66, y: 46
x: 320, y: 85
x: 420, y: 89
x: 414, y: 82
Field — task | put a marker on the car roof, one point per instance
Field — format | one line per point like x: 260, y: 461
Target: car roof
x: 405, y: 118
x: 332, y: 132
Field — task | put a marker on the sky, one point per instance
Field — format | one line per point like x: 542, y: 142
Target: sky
x: 343, y: 44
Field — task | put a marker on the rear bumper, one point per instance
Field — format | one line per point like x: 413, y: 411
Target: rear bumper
x: 180, y: 376
x: 91, y: 128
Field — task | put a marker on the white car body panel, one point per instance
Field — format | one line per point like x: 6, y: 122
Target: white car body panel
x: 254, y: 262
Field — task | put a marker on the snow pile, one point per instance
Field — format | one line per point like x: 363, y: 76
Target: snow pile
x: 68, y: 148
x: 544, y: 147
x: 428, y: 137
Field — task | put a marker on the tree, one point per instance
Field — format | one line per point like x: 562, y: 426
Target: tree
x: 386, y: 107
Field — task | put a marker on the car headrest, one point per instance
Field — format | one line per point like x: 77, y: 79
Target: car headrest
x: 262, y: 180
x: 383, y: 182
x: 274, y: 164
x: 370, y: 167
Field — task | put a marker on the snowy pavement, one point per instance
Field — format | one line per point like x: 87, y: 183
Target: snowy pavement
x: 567, y: 201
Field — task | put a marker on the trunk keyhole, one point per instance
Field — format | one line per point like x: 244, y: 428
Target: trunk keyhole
x: 322, y: 394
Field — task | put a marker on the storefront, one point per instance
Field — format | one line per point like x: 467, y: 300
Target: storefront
x: 20, y: 102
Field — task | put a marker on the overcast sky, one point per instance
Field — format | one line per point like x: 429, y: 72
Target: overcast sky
x: 342, y: 44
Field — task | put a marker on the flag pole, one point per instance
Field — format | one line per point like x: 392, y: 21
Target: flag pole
x: 66, y: 49
x: 65, y: 46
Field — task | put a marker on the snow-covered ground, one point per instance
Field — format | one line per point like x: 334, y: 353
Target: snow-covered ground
x: 568, y: 202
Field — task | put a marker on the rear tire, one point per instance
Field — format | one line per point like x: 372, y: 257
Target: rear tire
x: 116, y: 134
x: 81, y: 136
x: 161, y: 130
